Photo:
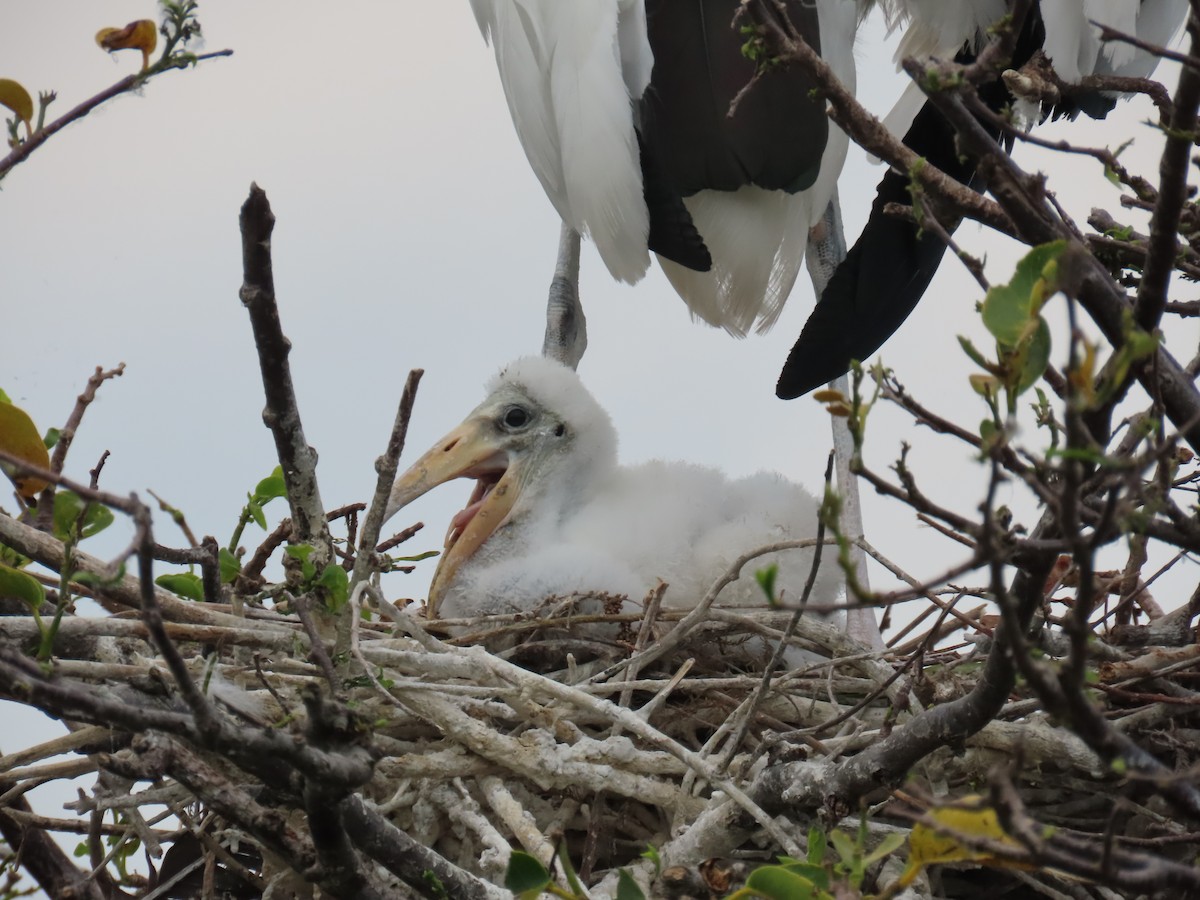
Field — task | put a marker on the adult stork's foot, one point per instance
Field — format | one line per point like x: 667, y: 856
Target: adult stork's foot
x: 566, y: 325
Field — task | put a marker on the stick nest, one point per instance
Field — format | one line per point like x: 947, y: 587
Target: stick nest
x: 473, y: 753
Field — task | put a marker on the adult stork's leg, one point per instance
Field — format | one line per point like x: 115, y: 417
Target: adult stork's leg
x: 827, y: 248
x: 566, y: 326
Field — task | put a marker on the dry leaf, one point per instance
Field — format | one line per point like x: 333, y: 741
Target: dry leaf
x: 15, y: 97
x: 140, y: 35
x: 19, y: 437
x: 967, y: 817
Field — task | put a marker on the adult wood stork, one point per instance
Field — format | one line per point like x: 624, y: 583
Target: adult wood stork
x: 886, y: 272
x: 553, y: 514
x: 622, y: 109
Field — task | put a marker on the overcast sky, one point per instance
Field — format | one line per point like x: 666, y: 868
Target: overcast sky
x: 411, y: 233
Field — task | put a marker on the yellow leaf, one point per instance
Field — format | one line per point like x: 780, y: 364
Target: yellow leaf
x: 967, y: 817
x: 1083, y: 376
x: 140, y: 35
x: 984, y: 385
x: 828, y: 395
x: 19, y: 437
x: 16, y: 98
x: 841, y: 410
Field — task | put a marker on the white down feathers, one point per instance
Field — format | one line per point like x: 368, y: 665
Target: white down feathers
x: 587, y: 524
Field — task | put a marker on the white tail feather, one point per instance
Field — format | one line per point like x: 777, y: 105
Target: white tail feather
x: 756, y: 238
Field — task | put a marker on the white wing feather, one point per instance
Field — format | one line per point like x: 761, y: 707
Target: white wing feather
x: 1158, y: 22
x: 594, y: 117
x: 485, y: 16
x: 1121, y: 15
x: 561, y: 68
x: 936, y: 28
x: 939, y: 29
x: 933, y: 28
x: 522, y: 56
x: 637, y: 61
x: 1073, y: 43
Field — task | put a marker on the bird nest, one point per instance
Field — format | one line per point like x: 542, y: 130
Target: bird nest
x: 590, y: 738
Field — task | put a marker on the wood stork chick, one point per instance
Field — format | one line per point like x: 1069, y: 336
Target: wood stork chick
x: 552, y: 513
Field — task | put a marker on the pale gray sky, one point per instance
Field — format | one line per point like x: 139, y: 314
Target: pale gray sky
x: 411, y: 232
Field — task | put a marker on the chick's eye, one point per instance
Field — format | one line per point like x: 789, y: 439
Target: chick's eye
x: 516, y: 417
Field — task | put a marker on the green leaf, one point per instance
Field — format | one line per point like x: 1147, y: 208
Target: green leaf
x: 564, y: 860
x: 11, y: 558
x: 525, y: 876
x: 22, y: 586
x: 186, y: 584
x: 302, y: 552
x: 1009, y: 310
x: 890, y: 844
x: 271, y: 487
x: 843, y: 844
x: 766, y: 580
x: 420, y: 556
x: 1083, y: 454
x: 95, y: 579
x: 817, y: 844
x: 811, y: 871
x: 434, y: 884
x: 651, y: 853
x: 4, y: 398
x: 1035, y: 356
x: 336, y: 583
x: 67, y: 508
x: 1138, y: 345
x: 627, y: 888
x: 51, y: 437
x: 777, y: 883
x: 256, y: 513
x: 971, y: 351
x: 230, y: 567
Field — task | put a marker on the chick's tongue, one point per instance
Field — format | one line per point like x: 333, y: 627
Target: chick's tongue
x: 463, y: 516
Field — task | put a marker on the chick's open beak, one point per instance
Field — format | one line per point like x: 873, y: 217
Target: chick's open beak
x: 469, y: 451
